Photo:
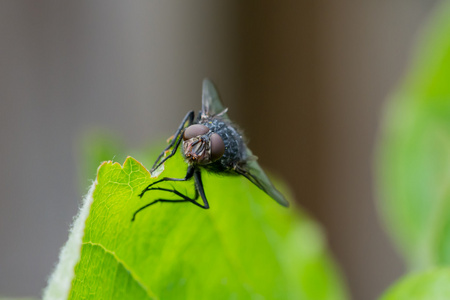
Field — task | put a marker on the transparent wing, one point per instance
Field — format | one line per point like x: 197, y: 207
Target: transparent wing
x: 211, y: 104
x: 253, y: 172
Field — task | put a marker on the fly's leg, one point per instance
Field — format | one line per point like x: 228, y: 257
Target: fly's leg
x: 199, y: 188
x: 189, y: 174
x: 199, y: 191
x: 184, y: 198
x: 188, y: 119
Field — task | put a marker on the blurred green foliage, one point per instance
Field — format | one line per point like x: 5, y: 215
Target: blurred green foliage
x: 97, y: 146
x: 429, y: 285
x: 414, y: 158
x: 414, y: 164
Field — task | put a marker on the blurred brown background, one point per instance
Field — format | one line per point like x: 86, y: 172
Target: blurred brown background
x: 305, y: 79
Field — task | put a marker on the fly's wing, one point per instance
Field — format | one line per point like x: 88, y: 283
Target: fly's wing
x: 211, y: 104
x: 253, y: 172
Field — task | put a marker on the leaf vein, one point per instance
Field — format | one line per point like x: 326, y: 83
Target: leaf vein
x: 149, y: 292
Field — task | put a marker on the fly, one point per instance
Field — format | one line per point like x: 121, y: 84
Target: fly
x: 213, y: 143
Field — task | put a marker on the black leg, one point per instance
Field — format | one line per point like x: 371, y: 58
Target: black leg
x: 189, y: 174
x: 199, y: 191
x: 184, y: 199
x: 151, y: 203
x: 188, y: 119
x: 199, y: 188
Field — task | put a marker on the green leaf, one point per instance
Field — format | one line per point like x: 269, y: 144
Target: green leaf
x: 414, y: 151
x: 245, y: 246
x: 432, y: 284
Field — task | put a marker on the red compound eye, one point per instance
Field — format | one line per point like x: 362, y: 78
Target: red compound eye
x: 217, y: 147
x: 195, y: 130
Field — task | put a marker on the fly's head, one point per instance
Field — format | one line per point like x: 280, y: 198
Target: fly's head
x: 201, y: 146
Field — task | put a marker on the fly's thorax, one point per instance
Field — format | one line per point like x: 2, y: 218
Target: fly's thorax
x: 201, y: 145
x: 235, y: 149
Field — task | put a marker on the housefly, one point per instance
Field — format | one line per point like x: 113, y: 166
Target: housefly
x: 213, y: 143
